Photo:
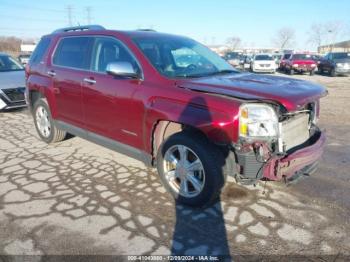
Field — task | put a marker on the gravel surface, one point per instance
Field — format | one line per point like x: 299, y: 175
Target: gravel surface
x: 77, y: 198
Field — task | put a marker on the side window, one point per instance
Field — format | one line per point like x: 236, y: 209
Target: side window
x: 73, y: 52
x: 330, y: 56
x: 107, y: 50
x: 40, y: 51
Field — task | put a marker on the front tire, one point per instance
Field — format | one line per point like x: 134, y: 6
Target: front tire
x: 44, y: 123
x: 191, y: 169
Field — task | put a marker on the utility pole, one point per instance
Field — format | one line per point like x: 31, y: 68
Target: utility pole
x: 88, y: 14
x: 69, y: 9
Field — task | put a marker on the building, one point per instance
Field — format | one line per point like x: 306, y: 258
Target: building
x: 336, y: 47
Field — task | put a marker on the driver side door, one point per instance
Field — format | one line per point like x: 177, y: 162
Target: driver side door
x: 110, y: 106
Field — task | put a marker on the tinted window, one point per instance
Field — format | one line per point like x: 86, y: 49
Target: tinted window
x: 7, y: 63
x: 107, y: 50
x: 40, y: 50
x: 73, y: 52
x: 286, y: 56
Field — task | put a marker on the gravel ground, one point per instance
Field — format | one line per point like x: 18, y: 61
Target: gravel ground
x: 77, y: 198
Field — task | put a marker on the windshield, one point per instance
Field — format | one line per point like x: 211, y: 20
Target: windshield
x: 286, y: 56
x: 179, y: 57
x: 341, y: 55
x: 302, y: 57
x: 263, y: 57
x: 7, y: 63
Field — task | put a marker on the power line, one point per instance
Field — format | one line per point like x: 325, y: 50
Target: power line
x: 32, y: 19
x: 30, y: 7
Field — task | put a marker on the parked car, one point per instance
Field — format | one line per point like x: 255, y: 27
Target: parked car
x: 12, y: 85
x: 335, y: 64
x: 300, y: 63
x: 263, y: 63
x: 196, y: 123
x: 277, y: 58
x: 283, y: 61
x: 24, y: 58
x: 233, y: 58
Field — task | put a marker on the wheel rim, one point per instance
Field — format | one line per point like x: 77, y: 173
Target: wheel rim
x: 42, y: 121
x: 184, y: 171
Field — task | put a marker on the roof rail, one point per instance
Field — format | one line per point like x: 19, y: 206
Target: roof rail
x: 146, y: 30
x: 78, y: 28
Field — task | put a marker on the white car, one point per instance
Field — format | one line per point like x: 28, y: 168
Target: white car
x: 263, y: 63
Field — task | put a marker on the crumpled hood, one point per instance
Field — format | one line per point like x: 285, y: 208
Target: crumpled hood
x: 291, y: 93
x: 12, y: 79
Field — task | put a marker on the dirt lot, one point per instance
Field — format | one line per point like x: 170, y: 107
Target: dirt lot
x: 75, y: 197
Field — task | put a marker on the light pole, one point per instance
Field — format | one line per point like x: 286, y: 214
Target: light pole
x: 331, y: 38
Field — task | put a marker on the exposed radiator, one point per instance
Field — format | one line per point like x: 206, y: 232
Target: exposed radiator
x: 295, y: 130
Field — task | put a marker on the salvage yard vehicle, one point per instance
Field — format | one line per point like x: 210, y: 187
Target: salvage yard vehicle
x: 24, y: 58
x: 263, y: 63
x: 197, y: 123
x: 335, y: 64
x: 282, y: 62
x: 234, y: 58
x: 12, y: 85
x: 300, y: 63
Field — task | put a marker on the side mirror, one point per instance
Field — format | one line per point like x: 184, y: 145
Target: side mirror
x: 122, y: 69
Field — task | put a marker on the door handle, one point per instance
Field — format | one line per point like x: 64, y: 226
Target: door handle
x: 51, y: 73
x: 90, y: 81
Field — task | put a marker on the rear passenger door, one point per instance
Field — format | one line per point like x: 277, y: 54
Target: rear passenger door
x: 70, y: 62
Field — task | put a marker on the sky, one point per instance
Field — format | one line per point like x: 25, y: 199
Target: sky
x: 208, y: 21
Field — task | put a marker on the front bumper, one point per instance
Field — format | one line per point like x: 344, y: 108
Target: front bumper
x: 342, y: 71
x: 301, y: 160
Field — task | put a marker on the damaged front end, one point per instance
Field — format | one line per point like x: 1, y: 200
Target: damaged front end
x: 275, y: 144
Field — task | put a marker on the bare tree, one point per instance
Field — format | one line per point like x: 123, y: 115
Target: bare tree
x: 234, y: 42
x: 284, y: 38
x: 317, y: 34
x: 10, y: 44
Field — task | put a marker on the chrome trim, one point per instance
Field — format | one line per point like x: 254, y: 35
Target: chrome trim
x: 90, y: 81
x: 51, y: 73
x: 129, y: 132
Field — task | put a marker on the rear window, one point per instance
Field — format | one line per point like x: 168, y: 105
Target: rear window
x: 73, y: 52
x: 40, y: 51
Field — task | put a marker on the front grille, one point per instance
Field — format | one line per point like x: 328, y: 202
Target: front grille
x: 295, y: 131
x: 15, y: 94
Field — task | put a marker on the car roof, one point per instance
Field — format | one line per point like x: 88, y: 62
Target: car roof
x: 128, y: 33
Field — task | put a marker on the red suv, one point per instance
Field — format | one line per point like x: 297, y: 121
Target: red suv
x: 300, y: 63
x: 174, y: 104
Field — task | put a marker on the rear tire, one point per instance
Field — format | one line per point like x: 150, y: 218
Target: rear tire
x: 207, y: 173
x: 44, y: 123
x: 332, y: 72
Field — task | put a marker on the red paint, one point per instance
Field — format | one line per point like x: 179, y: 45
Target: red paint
x: 128, y: 110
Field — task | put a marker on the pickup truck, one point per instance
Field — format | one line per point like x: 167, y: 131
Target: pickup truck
x: 173, y: 104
